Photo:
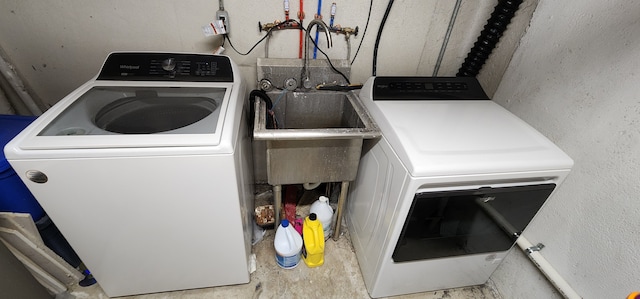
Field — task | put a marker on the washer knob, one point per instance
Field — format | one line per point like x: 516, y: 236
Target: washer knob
x: 169, y: 64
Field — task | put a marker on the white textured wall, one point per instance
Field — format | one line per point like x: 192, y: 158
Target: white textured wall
x: 575, y: 77
x: 58, y: 45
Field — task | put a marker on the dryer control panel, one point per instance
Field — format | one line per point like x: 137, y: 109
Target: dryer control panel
x: 427, y: 88
x: 152, y: 66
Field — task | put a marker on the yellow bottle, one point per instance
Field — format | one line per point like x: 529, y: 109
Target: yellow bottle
x: 313, y: 237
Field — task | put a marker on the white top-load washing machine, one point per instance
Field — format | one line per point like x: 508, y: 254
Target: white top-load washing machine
x: 441, y: 198
x: 146, y: 170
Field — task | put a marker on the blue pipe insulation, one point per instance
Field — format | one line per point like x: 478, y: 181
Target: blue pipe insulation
x: 315, y: 47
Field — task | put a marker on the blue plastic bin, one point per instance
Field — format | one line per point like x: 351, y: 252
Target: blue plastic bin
x: 14, y: 195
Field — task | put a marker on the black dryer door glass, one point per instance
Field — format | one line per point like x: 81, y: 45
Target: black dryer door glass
x: 461, y: 222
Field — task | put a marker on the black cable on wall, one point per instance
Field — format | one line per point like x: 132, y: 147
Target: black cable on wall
x: 366, y: 26
x: 489, y: 37
x: 375, y: 47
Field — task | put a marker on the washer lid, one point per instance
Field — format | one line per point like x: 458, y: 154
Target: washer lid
x: 127, y: 115
x: 463, y: 137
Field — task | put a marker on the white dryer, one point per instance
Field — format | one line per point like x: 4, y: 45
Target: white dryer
x: 441, y: 198
x: 146, y: 170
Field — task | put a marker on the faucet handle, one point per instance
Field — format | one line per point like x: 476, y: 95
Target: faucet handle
x: 291, y: 84
x: 307, y: 84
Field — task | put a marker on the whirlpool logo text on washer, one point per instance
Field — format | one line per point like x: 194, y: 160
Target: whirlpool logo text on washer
x: 129, y: 67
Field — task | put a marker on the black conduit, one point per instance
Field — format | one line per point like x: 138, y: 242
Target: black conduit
x: 489, y: 37
x: 375, y: 47
x: 257, y: 93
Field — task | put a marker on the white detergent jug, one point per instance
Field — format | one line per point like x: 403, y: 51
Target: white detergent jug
x: 288, y: 244
x: 324, y: 212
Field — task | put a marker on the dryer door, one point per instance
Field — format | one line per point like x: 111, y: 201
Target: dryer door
x: 461, y: 222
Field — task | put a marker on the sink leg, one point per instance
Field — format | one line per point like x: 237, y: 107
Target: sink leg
x: 277, y: 204
x: 341, y: 201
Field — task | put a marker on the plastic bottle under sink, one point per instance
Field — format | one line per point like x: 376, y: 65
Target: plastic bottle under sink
x: 324, y: 212
x: 288, y: 244
x: 313, y: 236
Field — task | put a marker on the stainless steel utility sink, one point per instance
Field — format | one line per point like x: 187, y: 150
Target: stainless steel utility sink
x: 318, y: 137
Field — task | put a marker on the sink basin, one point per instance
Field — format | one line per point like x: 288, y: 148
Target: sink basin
x: 318, y: 137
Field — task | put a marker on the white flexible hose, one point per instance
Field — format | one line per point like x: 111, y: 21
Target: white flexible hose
x: 554, y: 277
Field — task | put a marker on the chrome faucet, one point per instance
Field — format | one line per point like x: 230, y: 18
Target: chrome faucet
x: 306, y: 82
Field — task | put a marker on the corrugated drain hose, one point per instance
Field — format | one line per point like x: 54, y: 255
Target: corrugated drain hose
x: 489, y: 37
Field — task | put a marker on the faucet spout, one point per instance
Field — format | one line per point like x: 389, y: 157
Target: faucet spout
x: 306, y: 81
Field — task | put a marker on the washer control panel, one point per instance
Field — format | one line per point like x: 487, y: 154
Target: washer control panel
x: 427, y: 88
x: 150, y: 66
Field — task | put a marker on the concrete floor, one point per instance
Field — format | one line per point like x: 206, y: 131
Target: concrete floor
x: 339, y: 277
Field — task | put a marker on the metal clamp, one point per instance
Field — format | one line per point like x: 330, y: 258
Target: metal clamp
x: 533, y: 249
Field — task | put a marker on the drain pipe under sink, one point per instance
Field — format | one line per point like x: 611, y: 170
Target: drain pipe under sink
x: 554, y: 277
x: 310, y: 186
